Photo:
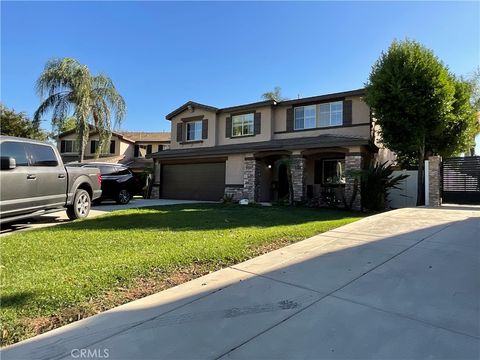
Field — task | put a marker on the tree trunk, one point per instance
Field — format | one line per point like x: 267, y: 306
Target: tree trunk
x: 421, y: 177
x: 83, y: 130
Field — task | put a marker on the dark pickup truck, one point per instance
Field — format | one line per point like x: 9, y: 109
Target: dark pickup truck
x: 34, y: 181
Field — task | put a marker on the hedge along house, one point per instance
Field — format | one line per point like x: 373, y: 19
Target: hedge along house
x: 244, y: 151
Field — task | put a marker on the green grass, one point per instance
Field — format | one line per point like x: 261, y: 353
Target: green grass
x: 46, y: 271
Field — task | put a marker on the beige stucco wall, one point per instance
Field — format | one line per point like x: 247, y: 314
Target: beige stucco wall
x: 265, y: 128
x: 126, y: 149
x: 360, y: 110
x: 234, y: 168
x: 155, y: 145
x: 210, y: 141
x: 121, y: 147
x: 273, y: 120
x: 360, y: 114
x: 357, y: 131
x: 68, y: 137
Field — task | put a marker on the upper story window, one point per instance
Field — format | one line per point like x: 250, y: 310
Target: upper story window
x: 242, y: 125
x: 331, y: 114
x: 93, y: 146
x: 305, y: 117
x: 194, y: 130
x: 95, y: 143
x: 69, y: 146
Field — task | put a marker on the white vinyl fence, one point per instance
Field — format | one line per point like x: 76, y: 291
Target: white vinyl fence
x: 406, y: 196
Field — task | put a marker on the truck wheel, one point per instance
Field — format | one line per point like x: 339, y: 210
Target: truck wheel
x: 81, y: 205
x: 123, y: 197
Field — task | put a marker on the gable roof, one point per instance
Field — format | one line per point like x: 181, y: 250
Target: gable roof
x: 326, y: 97
x: 129, y: 136
x: 142, y: 136
x: 189, y: 104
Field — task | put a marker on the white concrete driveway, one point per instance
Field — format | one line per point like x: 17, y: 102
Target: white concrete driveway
x: 403, y: 284
x: 60, y: 217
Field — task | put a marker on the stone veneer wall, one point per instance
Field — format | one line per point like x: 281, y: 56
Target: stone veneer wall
x: 298, y: 166
x: 234, y: 191
x: 353, y: 162
x: 251, y: 179
x: 155, y: 194
x: 434, y: 180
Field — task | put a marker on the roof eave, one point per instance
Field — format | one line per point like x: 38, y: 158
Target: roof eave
x: 185, y: 107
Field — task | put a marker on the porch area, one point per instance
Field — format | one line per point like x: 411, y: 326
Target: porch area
x: 318, y: 177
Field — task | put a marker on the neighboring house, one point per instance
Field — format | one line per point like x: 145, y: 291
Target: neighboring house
x: 126, y: 147
x: 240, y: 151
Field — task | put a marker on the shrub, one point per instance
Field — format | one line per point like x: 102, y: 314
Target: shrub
x: 377, y: 179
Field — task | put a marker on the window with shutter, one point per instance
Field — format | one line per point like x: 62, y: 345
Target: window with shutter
x: 194, y: 130
x: 93, y: 146
x: 242, y: 125
x: 180, y: 132
x: 204, y: 128
x: 331, y: 114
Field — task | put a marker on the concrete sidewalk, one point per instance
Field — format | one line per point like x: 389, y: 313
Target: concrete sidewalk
x: 403, y: 284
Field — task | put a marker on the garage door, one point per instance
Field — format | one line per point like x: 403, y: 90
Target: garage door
x: 204, y: 181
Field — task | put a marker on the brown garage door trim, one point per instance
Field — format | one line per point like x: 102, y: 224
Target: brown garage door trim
x: 194, y: 161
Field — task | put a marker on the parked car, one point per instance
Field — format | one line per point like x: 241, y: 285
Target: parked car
x: 118, y: 182
x: 34, y: 182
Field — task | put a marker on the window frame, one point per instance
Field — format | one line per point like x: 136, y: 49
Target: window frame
x: 330, y: 112
x: 197, y: 131
x: 244, y: 123
x: 74, y: 146
x: 337, y: 160
x: 295, y: 128
x: 94, y: 143
x: 113, y: 144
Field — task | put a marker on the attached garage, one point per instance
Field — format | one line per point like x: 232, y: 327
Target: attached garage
x: 199, y: 181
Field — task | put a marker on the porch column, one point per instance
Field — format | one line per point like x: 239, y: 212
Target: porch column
x: 251, y: 179
x: 298, y: 168
x: 155, y: 194
x: 353, y: 162
x: 434, y: 180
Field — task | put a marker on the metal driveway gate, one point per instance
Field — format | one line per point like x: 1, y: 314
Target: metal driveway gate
x: 461, y: 180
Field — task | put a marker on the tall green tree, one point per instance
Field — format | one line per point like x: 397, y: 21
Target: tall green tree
x: 421, y: 108
x: 67, y: 86
x: 474, y: 80
x: 275, y: 94
x: 14, y: 123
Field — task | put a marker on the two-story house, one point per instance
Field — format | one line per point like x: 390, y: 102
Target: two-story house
x: 244, y: 151
x: 126, y: 147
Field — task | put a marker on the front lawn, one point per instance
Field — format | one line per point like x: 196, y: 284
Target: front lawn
x: 58, y: 275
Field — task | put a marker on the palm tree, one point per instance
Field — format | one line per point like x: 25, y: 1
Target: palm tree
x: 65, y: 84
x: 275, y: 94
